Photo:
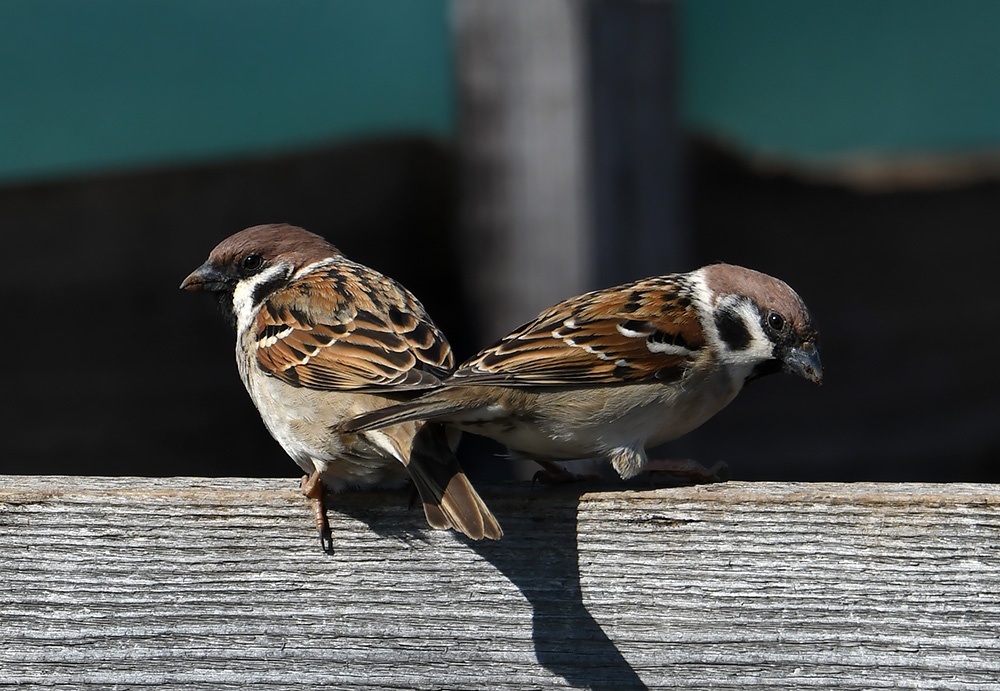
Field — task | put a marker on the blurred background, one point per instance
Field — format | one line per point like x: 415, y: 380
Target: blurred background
x: 496, y: 158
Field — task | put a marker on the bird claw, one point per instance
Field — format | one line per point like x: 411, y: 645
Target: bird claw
x: 326, y: 541
x: 312, y: 487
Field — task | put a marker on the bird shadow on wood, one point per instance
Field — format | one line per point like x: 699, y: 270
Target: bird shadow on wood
x: 538, y: 553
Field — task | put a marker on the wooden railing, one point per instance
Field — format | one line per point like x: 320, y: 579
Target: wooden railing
x: 220, y: 583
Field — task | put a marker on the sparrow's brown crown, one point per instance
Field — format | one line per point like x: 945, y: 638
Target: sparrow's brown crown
x: 250, y: 250
x: 767, y: 292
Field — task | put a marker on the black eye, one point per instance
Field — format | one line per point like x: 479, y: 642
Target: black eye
x: 252, y: 262
x: 775, y: 321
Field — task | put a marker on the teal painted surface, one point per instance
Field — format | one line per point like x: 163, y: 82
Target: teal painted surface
x: 106, y: 84
x: 821, y: 78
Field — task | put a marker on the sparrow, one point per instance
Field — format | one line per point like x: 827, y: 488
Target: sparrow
x: 321, y: 339
x: 609, y: 373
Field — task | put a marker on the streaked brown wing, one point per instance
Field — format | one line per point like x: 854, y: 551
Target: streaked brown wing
x: 346, y: 327
x: 642, y: 331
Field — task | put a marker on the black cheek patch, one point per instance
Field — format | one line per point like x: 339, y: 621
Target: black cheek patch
x: 732, y: 330
x: 265, y: 289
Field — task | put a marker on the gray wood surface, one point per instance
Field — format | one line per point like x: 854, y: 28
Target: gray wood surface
x: 524, y: 225
x: 220, y: 583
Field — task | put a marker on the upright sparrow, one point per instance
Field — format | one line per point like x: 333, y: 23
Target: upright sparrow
x: 321, y: 339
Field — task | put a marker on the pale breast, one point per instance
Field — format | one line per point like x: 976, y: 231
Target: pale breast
x: 299, y: 419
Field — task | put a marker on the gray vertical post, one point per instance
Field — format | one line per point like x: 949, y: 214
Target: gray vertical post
x: 568, y: 142
x: 523, y: 215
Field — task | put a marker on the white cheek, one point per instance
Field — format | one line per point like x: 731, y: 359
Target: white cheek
x: 740, y: 363
x: 243, y: 306
x: 760, y: 348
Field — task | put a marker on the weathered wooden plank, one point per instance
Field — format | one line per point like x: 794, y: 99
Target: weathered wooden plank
x: 220, y: 583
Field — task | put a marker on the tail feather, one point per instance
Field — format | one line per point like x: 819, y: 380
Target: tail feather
x: 449, y: 499
x: 424, y: 408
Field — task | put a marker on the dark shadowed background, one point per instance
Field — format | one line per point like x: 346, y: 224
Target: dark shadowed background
x: 496, y: 158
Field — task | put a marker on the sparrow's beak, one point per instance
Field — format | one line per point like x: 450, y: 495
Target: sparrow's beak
x: 205, y: 277
x: 804, y: 361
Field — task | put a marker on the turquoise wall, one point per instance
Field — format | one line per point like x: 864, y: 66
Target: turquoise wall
x: 820, y: 78
x: 105, y: 84
x: 90, y: 85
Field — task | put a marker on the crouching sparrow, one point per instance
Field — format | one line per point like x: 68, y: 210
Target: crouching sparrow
x: 321, y: 339
x: 611, y: 372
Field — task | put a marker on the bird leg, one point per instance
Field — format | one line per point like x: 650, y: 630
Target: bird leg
x: 691, y: 470
x: 312, y: 487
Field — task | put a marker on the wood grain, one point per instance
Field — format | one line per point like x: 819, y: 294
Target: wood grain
x: 220, y: 583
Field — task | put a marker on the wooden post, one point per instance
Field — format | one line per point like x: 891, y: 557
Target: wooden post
x: 523, y: 219
x: 569, y: 149
x: 208, y: 583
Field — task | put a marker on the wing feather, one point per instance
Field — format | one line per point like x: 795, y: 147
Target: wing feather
x: 639, y: 332
x: 344, y: 326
